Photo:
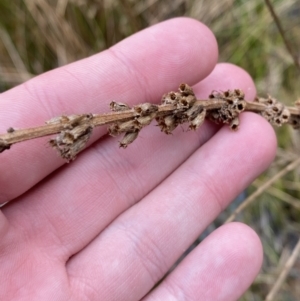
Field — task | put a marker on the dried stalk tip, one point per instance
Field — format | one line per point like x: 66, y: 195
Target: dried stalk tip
x: 4, y: 145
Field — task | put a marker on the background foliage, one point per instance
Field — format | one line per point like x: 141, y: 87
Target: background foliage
x: 39, y: 35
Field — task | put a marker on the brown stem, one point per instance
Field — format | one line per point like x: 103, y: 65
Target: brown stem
x: 98, y: 119
x: 177, y: 107
x: 16, y: 136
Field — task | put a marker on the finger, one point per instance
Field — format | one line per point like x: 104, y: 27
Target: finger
x: 139, y: 69
x: 111, y: 180
x: 222, y: 267
x: 148, y: 238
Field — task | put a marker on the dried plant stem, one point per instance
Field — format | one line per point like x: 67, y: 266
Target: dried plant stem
x: 273, y: 294
x: 98, y: 119
x: 21, y: 135
x: 281, y: 31
x: 262, y: 188
x: 176, y: 108
x: 280, y: 194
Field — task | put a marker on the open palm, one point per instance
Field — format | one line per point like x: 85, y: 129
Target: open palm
x: 110, y: 225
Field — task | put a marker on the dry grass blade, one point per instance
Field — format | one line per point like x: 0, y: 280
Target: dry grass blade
x: 56, y: 30
x: 61, y: 7
x: 262, y: 189
x: 285, y: 197
x: 13, y: 76
x: 280, y: 28
x: 272, y: 295
x: 14, y: 55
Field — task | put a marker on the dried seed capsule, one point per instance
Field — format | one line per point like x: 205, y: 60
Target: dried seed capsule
x: 228, y: 93
x: 267, y: 101
x: 268, y: 115
x: 167, y: 124
x: 70, y: 142
x: 198, y: 121
x: 171, y: 98
x: 68, y: 137
x: 240, y: 94
x: 145, y: 120
x: 114, y: 130
x: 59, y: 119
x: 285, y: 115
x: 216, y: 94
x: 80, y: 130
x: 70, y: 153
x: 276, y: 113
x: 282, y: 118
x: 118, y: 106
x: 295, y: 121
x: 146, y: 109
x: 193, y: 112
x: 75, y: 120
x: 64, y: 137
x: 170, y: 124
x: 70, y: 121
x: 236, y: 106
x: 241, y: 105
x: 234, y: 124
x: 271, y: 101
x: 297, y: 103
x: 230, y: 101
x: 277, y: 107
x: 186, y: 90
x: 170, y: 121
x: 128, y: 126
x: 128, y: 138
x: 186, y: 101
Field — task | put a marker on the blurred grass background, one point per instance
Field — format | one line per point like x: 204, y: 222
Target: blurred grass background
x: 39, y: 35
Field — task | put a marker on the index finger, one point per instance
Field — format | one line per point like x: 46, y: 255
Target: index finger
x: 139, y: 69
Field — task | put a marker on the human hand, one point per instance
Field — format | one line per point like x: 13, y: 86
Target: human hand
x: 109, y: 225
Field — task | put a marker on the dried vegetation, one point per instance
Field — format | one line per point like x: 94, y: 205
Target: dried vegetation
x: 176, y: 108
x: 39, y: 35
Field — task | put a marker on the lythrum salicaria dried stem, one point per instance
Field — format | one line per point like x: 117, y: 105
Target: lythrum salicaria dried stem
x: 74, y: 131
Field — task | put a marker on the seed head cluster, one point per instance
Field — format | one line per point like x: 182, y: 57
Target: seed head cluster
x: 179, y: 107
